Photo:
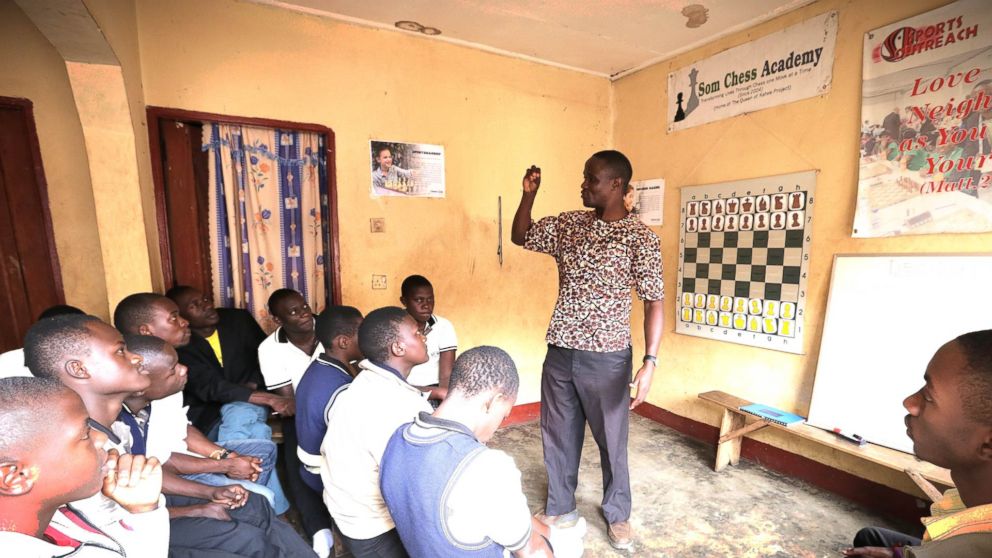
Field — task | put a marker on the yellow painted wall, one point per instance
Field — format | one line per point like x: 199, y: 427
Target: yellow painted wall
x: 32, y: 69
x: 819, y: 133
x: 118, y: 24
x: 494, y: 115
x: 102, y: 105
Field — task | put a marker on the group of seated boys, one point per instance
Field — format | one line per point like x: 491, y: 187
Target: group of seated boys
x: 153, y: 438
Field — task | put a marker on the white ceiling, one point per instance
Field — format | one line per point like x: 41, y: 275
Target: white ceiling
x: 603, y: 37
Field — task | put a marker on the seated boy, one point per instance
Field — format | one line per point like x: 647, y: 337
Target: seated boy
x: 418, y: 298
x: 337, y: 330
x: 283, y: 357
x: 89, y: 357
x: 52, y: 456
x: 950, y: 423
x: 467, y: 499
x: 165, y: 437
x: 157, y: 315
x: 226, y: 393
x: 360, y: 423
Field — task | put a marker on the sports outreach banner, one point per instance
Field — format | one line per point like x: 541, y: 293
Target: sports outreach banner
x: 789, y: 65
x: 926, y: 166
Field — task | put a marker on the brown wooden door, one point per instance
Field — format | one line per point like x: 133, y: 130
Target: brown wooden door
x: 30, y: 281
x: 186, y: 181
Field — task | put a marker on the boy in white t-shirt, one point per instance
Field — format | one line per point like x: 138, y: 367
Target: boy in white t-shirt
x: 283, y: 358
x: 442, y: 344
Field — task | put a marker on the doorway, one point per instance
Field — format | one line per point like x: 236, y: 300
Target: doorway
x: 180, y: 172
x: 31, y: 280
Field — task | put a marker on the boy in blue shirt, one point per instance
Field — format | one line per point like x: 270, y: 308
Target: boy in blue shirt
x: 337, y: 331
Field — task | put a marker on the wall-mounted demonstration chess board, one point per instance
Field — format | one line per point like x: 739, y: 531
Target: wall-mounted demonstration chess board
x: 744, y: 259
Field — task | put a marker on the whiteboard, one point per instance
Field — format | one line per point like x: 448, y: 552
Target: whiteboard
x: 886, y: 316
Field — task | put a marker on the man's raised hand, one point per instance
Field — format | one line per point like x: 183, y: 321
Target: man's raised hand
x: 532, y: 179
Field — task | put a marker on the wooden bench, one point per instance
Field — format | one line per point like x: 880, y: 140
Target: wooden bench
x: 734, y: 426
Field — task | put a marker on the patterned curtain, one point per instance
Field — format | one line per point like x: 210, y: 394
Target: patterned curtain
x: 268, y: 216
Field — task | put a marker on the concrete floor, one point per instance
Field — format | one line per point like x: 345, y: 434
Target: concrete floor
x: 683, y: 509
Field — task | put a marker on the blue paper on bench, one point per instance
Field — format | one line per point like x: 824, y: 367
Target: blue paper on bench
x: 772, y: 414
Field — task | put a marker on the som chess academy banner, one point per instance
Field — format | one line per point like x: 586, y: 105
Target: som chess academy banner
x: 793, y: 64
x: 926, y: 166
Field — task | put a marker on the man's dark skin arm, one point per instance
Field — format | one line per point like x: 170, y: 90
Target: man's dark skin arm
x: 654, y: 322
x: 288, y: 398
x: 238, y: 467
x: 522, y: 218
x: 197, y: 442
x: 246, y: 467
x: 285, y: 406
x: 209, y: 510
x: 444, y: 367
x: 219, y: 498
x: 233, y: 496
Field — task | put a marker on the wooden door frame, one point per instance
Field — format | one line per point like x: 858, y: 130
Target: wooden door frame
x: 26, y: 107
x: 156, y: 114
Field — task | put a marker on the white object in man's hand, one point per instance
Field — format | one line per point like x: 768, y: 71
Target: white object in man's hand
x: 568, y: 542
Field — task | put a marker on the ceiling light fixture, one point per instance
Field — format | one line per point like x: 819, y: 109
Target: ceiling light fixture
x: 409, y: 26
x: 697, y: 15
x: 417, y: 28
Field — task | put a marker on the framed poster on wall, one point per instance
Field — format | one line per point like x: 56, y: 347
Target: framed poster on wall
x: 926, y: 103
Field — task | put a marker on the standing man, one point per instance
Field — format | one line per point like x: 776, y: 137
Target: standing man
x: 600, y: 254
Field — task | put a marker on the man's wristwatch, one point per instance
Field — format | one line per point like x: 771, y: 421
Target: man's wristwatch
x: 651, y: 358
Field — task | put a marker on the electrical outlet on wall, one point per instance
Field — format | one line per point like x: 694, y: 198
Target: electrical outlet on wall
x: 379, y: 282
x: 378, y: 225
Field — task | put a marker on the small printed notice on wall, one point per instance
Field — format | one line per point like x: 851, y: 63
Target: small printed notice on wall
x: 793, y: 64
x: 926, y: 162
x: 407, y: 169
x: 647, y: 200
